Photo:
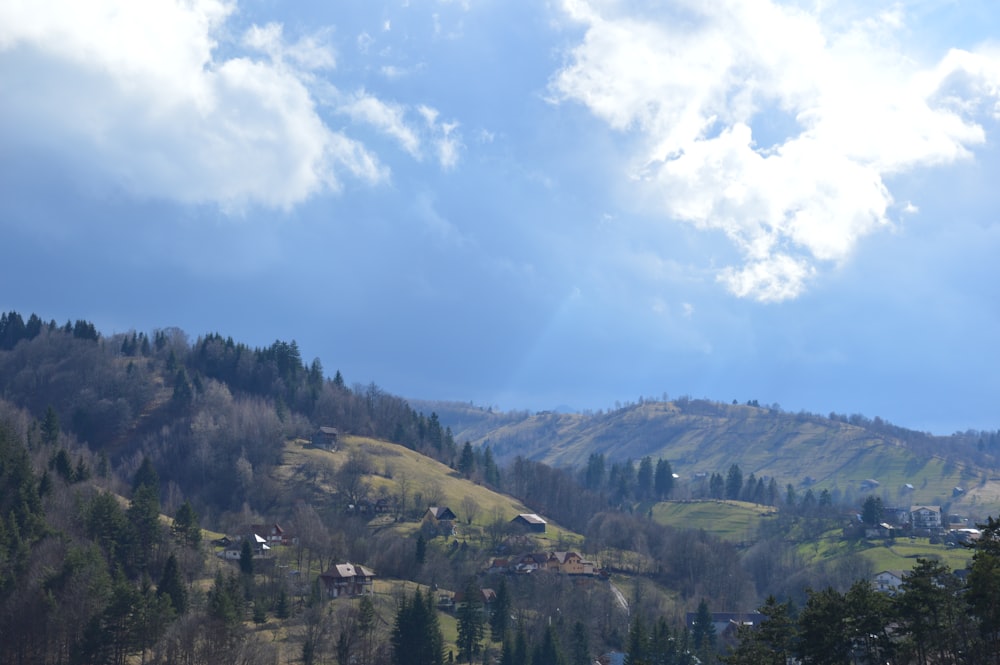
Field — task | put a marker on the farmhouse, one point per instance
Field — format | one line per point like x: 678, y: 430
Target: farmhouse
x: 569, y: 563
x: 325, y: 437
x: 442, y: 519
x: 347, y: 579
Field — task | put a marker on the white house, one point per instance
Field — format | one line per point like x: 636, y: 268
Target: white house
x: 889, y: 581
x: 925, y: 517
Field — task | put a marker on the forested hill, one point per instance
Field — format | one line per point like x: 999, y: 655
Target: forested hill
x: 196, y: 408
x: 201, y: 407
x: 699, y: 437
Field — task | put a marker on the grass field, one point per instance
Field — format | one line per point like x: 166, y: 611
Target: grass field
x: 735, y: 521
x: 903, y: 555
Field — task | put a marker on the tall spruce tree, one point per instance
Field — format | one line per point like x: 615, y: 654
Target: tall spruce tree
x: 416, y: 634
x: 500, y: 616
x: 470, y: 622
x: 172, y: 586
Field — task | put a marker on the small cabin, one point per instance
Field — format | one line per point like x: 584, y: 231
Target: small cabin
x: 325, y: 437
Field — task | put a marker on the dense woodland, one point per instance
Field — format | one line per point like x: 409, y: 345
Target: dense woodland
x: 99, y: 436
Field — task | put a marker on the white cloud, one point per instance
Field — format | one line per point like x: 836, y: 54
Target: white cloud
x: 365, y: 42
x: 447, y: 141
x: 138, y: 92
x: 772, y: 123
x: 388, y: 118
x: 309, y: 53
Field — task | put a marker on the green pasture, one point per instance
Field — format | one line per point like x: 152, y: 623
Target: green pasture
x: 736, y: 521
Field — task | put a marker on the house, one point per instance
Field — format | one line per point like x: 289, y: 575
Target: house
x: 925, y: 517
x: 234, y: 550
x: 273, y: 534
x: 569, y: 563
x: 896, y: 516
x: 883, y: 530
x: 726, y: 623
x: 439, y: 514
x: 531, y: 522
x: 441, y: 518
x: 498, y: 565
x: 347, y: 579
x: 325, y: 437
x: 889, y: 581
x: 486, y: 598
x: 528, y: 563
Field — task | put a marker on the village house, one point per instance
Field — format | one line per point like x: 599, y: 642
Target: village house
x: 485, y: 598
x: 326, y: 438
x: 273, y: 534
x: 889, y: 581
x: 531, y: 522
x: 442, y: 519
x: 925, y: 517
x: 883, y: 530
x: 727, y: 624
x: 234, y: 550
x: 347, y: 579
x: 529, y: 563
x: 569, y: 563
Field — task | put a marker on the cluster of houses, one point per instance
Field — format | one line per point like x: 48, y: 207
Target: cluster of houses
x: 566, y: 563
x: 262, y: 538
x: 925, y: 521
x: 442, y: 520
x: 342, y: 579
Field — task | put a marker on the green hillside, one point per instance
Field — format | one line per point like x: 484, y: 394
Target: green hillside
x: 702, y: 437
x: 736, y: 521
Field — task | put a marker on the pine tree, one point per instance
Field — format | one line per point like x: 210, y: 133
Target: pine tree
x: 282, y: 609
x: 246, y: 558
x: 50, y: 426
x: 734, y: 482
x: 663, y: 479
x: 185, y: 526
x: 547, y: 651
x: 644, y: 478
x: 172, y: 586
x: 500, y: 616
x: 470, y: 622
x: 467, y: 461
x: 580, y: 649
x: 703, y: 632
x: 146, y: 475
x: 416, y: 635
x: 143, y: 516
x: 421, y: 553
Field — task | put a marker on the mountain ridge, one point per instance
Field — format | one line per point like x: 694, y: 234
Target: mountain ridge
x: 700, y: 437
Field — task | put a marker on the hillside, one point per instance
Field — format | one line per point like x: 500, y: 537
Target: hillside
x: 702, y: 437
x: 101, y: 437
x: 402, y: 476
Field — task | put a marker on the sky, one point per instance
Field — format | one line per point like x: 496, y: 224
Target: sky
x: 526, y: 204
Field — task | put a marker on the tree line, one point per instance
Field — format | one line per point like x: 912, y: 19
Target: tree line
x: 934, y: 617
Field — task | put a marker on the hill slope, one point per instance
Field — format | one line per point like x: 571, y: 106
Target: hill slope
x: 701, y: 437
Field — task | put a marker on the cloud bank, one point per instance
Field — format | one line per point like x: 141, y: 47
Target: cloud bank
x: 141, y: 94
x: 775, y: 125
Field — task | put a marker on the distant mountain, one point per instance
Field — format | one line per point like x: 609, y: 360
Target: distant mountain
x: 851, y: 456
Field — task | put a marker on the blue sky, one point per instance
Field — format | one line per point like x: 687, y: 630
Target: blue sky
x: 526, y: 204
